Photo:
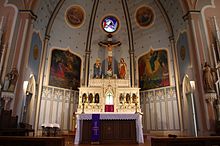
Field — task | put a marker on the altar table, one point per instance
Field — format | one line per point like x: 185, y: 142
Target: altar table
x: 111, y: 116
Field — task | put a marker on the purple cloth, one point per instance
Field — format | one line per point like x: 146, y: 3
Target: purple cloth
x: 95, y: 127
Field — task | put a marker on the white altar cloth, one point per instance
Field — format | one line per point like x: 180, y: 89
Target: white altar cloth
x: 112, y: 116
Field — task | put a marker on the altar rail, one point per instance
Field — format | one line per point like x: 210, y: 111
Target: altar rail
x: 160, y: 108
x: 58, y: 106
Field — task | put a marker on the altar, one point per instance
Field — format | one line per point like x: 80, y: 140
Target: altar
x: 132, y: 123
x: 109, y: 96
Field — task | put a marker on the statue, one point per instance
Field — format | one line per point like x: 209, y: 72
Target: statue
x: 109, y: 45
x: 10, y: 80
x: 209, y: 78
x: 97, y: 69
x: 122, y: 67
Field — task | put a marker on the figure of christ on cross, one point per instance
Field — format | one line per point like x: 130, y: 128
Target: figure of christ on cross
x: 109, y: 45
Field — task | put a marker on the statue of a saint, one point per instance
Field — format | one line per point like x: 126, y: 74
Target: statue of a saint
x: 97, y: 69
x: 209, y: 78
x: 10, y: 80
x: 122, y: 67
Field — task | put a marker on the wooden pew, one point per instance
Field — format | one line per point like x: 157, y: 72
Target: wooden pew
x: 9, y: 125
x: 31, y: 141
x: 186, y: 141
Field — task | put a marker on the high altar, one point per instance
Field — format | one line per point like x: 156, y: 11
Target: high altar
x: 109, y: 95
x: 119, y: 107
x: 114, y: 100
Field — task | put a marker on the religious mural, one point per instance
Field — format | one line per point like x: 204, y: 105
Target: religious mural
x: 144, y: 16
x: 75, y: 16
x: 35, y: 54
x: 65, y: 70
x: 153, y: 70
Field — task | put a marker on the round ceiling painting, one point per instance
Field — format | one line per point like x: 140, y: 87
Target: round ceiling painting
x: 75, y: 16
x: 144, y: 16
x: 110, y: 24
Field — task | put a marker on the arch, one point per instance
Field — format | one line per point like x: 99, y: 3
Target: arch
x: 166, y: 18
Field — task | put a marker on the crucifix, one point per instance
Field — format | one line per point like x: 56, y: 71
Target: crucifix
x: 109, y: 45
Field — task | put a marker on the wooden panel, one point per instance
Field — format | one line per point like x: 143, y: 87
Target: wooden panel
x: 186, y: 141
x: 111, y: 131
x: 31, y: 141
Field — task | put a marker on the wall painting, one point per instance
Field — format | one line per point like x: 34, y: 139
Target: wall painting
x: 153, y: 70
x: 65, y: 70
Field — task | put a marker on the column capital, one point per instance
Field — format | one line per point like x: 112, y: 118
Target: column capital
x: 171, y: 38
x: 210, y: 97
x: 189, y: 14
x: 88, y: 52
x: 30, y: 13
x: 131, y: 52
x: 47, y: 37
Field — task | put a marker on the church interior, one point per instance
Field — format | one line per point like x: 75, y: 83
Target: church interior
x: 78, y: 72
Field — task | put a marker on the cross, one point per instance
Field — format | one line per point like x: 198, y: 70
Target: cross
x: 109, y: 95
x: 109, y: 45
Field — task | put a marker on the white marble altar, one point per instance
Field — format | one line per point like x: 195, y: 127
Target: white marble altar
x: 109, y: 91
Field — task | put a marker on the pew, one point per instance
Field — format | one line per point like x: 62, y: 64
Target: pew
x: 31, y: 141
x: 9, y: 125
x: 186, y: 141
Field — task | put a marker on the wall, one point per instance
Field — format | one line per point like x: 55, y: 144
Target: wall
x: 58, y: 106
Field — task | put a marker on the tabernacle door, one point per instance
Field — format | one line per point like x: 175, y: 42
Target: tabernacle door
x: 109, y: 102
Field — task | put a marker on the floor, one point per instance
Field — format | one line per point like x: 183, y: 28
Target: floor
x: 69, y: 142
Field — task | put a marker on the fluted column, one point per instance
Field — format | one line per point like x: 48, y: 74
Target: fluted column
x: 41, y: 76
x: 176, y: 73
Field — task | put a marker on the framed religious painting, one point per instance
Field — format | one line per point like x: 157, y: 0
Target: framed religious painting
x: 65, y: 69
x: 153, y: 69
x: 144, y: 16
x: 75, y: 16
x: 110, y: 24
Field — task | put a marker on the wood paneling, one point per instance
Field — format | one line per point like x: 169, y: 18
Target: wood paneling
x: 111, y: 131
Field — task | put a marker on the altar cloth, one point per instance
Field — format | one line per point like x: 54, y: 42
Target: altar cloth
x: 112, y: 116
